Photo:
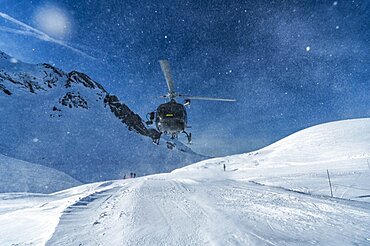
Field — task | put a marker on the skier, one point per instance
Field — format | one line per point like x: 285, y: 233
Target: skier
x: 134, y: 175
x: 224, y: 167
x: 131, y: 174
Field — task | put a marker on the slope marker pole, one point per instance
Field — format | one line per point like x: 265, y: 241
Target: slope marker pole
x: 331, y: 190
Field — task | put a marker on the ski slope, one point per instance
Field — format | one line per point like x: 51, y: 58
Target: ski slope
x: 258, y: 200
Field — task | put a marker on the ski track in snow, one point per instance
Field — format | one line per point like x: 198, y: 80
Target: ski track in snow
x: 210, y: 213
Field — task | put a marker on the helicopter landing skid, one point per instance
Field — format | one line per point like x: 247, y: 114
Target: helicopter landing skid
x: 188, y: 135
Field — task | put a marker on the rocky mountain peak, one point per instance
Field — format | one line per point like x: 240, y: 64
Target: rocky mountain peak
x: 70, y: 122
x: 51, y: 76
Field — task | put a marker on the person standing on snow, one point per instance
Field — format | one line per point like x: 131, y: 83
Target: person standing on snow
x: 224, y: 167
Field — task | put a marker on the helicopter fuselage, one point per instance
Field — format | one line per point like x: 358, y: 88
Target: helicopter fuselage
x: 171, y: 118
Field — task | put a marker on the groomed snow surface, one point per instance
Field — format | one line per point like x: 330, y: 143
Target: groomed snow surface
x: 278, y: 195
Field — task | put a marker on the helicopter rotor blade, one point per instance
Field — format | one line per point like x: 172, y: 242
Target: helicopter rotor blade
x: 208, y: 98
x: 165, y: 66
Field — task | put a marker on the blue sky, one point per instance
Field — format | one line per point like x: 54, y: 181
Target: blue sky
x: 290, y: 64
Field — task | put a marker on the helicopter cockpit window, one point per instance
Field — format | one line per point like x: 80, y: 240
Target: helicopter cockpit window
x: 171, y: 111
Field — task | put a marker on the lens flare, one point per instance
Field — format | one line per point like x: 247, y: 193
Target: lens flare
x: 54, y: 21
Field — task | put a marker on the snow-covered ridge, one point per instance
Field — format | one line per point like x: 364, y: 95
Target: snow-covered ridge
x: 326, y: 142
x: 329, y: 142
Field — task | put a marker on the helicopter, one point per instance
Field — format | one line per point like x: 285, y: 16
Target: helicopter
x: 170, y: 118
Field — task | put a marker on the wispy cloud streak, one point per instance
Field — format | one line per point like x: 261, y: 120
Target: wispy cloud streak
x: 33, y: 32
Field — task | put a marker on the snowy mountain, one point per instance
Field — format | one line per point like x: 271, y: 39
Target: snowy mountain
x: 71, y: 123
x: 259, y: 200
x: 21, y: 176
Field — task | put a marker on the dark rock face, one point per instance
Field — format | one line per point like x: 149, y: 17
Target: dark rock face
x: 132, y: 120
x: 2, y: 88
x: 21, y: 79
x: 56, y: 109
x: 54, y: 69
x: 51, y: 78
x: 5, y: 77
x: 73, y: 100
x: 77, y: 77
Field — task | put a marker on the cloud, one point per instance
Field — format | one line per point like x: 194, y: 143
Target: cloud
x: 28, y: 30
